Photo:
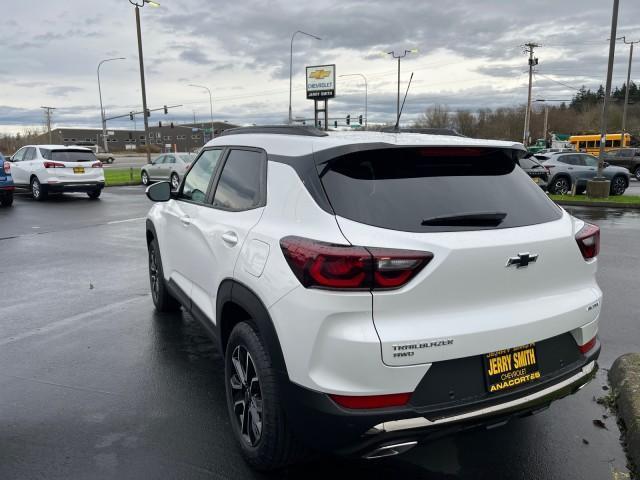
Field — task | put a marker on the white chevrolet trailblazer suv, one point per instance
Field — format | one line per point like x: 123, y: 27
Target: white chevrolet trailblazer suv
x: 44, y: 169
x: 369, y: 290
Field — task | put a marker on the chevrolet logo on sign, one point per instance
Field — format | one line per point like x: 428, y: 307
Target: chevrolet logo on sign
x: 320, y: 74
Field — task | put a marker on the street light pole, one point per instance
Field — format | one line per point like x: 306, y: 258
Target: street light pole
x: 104, y: 123
x: 626, y: 93
x: 393, y: 54
x: 142, y: 83
x: 210, y: 104
x: 366, y: 94
x: 291, y: 69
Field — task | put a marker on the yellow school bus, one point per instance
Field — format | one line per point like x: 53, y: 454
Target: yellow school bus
x: 591, y: 143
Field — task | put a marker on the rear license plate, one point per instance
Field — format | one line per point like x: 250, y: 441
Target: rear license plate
x: 509, y: 369
x: 78, y: 169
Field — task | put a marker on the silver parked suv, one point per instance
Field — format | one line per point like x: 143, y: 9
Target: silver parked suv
x: 569, y: 169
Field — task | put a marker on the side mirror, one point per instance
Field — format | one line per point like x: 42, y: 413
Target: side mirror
x: 159, y: 192
x: 605, y: 164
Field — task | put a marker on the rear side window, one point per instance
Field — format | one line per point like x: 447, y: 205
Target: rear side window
x: 241, y: 185
x: 434, y: 189
x: 68, y: 155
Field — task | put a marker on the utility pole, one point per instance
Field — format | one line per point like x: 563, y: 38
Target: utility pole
x: 598, y: 187
x: 142, y: 83
x: 626, y: 93
x: 400, y: 56
x: 533, y: 61
x: 47, y: 114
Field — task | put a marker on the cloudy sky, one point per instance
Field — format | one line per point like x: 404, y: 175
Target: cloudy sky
x: 469, y: 55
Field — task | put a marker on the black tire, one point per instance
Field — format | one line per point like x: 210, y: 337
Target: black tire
x: 560, y: 185
x: 271, y: 446
x: 580, y: 190
x: 636, y: 173
x: 94, y: 194
x: 618, y: 185
x: 162, y: 299
x: 38, y: 191
x: 7, y: 200
x: 110, y: 160
x: 144, y: 177
x: 175, y: 181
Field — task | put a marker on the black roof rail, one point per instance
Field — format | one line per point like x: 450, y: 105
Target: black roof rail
x: 277, y: 130
x: 427, y: 131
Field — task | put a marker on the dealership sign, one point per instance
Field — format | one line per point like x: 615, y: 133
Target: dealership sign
x: 321, y: 82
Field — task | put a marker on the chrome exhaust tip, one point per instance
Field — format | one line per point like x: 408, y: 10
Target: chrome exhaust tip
x: 390, y: 450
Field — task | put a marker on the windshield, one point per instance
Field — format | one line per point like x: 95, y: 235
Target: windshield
x: 69, y: 155
x: 427, y: 190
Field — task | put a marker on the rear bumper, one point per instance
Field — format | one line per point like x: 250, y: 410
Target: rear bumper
x: 326, y: 426
x: 74, y: 187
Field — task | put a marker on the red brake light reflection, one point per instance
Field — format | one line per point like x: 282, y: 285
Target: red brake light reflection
x: 588, y: 239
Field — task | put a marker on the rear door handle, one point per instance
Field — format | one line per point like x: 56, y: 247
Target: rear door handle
x: 186, y: 220
x: 230, y: 238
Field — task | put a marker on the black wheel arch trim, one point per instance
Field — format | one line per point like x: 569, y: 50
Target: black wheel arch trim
x: 233, y: 292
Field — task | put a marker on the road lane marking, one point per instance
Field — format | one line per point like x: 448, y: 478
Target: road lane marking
x: 114, y: 222
x: 51, y: 327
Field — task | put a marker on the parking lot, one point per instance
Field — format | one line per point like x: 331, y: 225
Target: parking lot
x: 95, y: 384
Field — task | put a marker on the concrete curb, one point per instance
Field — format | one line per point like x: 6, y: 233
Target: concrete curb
x: 128, y: 184
x: 625, y: 380
x: 632, y: 206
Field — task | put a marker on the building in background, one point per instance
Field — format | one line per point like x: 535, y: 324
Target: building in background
x: 185, y: 137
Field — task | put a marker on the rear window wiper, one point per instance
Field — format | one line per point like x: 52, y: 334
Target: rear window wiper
x: 480, y: 219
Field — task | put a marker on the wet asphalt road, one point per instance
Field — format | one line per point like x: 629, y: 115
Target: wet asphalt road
x: 94, y: 384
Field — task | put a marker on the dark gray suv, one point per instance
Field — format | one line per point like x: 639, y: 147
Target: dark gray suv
x: 569, y: 169
x: 626, y: 157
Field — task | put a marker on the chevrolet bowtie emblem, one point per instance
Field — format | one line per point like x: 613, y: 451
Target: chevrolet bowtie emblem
x: 319, y: 74
x: 522, y: 260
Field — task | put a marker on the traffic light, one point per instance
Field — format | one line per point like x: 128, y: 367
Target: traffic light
x: 159, y: 124
x: 319, y: 123
x: 360, y: 119
x: 131, y: 116
x: 166, y: 110
x: 171, y: 124
x: 348, y: 119
x: 335, y: 124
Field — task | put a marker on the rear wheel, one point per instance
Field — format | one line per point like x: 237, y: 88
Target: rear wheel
x: 580, y: 190
x: 38, y: 191
x: 636, y: 173
x: 162, y: 299
x: 175, y: 181
x: 560, y: 186
x: 254, y: 403
x: 145, y: 178
x: 7, y: 200
x: 618, y: 185
x: 94, y: 194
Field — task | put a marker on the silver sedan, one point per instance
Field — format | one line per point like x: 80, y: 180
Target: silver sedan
x: 168, y: 166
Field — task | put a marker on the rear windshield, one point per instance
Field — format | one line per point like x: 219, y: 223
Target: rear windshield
x: 186, y: 158
x: 68, y: 155
x: 434, y: 190
x: 527, y: 163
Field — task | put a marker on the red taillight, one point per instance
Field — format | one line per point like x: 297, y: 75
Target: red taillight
x: 372, y: 401
x: 7, y: 168
x: 588, y: 239
x: 324, y: 265
x: 97, y: 165
x: 53, y: 165
x: 587, y: 346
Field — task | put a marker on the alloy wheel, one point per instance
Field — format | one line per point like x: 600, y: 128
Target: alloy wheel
x: 175, y: 182
x: 35, y: 188
x: 618, y: 186
x: 153, y: 272
x: 145, y: 178
x: 246, y: 396
x: 561, y: 186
